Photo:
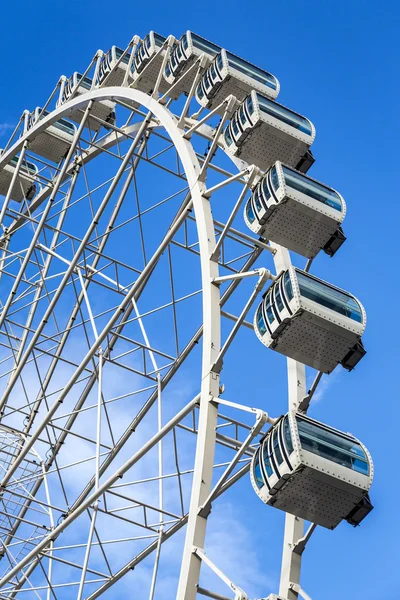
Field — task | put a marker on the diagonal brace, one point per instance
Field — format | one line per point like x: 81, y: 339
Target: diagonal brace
x: 264, y: 275
x: 261, y: 418
x: 296, y: 588
x: 239, y: 593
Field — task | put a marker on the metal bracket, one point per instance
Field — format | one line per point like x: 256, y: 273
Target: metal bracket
x: 296, y: 588
x: 302, y: 542
x: 305, y: 403
x: 261, y: 418
x: 263, y: 276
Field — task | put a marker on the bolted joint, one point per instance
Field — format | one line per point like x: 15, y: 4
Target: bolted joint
x: 217, y: 366
x: 265, y: 274
x: 262, y: 417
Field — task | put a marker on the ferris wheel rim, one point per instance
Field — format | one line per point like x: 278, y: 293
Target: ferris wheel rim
x: 204, y: 225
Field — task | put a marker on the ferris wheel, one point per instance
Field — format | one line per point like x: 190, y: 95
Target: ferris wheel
x: 148, y: 209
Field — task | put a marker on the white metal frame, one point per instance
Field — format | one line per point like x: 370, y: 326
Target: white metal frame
x: 179, y: 129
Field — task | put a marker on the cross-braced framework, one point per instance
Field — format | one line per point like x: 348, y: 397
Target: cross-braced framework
x: 127, y: 279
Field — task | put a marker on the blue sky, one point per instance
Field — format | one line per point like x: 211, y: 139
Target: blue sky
x: 337, y: 63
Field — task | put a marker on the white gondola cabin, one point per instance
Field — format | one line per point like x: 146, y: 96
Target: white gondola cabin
x: 113, y: 67
x: 25, y: 185
x: 190, y: 47
x: 313, y: 471
x: 297, y: 212
x: 262, y: 131
x: 311, y: 321
x: 54, y: 142
x: 147, y: 62
x: 229, y: 74
x: 77, y: 85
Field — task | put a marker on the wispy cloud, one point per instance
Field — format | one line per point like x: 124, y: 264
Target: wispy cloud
x: 4, y: 127
x: 323, y: 386
x: 232, y: 545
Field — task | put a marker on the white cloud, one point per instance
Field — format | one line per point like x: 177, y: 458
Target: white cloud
x: 323, y: 386
x: 231, y: 545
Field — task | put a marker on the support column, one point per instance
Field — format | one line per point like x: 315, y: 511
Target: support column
x: 294, y: 527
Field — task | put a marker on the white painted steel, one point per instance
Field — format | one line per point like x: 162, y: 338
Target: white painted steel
x: 262, y: 141
x: 223, y: 78
x: 102, y: 110
x: 311, y: 486
x: 290, y: 217
x: 261, y: 138
x: 306, y: 330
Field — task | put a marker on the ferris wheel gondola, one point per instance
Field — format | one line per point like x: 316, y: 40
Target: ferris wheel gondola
x: 230, y: 75
x: 313, y: 471
x: 311, y: 321
x: 54, y: 142
x: 147, y: 63
x: 297, y: 212
x: 26, y: 186
x: 113, y: 67
x: 262, y: 131
x: 190, y: 47
x: 102, y: 110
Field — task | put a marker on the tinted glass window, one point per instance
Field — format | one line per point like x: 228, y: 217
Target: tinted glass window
x: 260, y: 321
x: 328, y: 296
x: 268, y: 308
x: 278, y: 298
x: 65, y: 126
x: 331, y: 445
x: 227, y: 136
x: 242, y: 116
x: 266, y: 460
x: 274, y: 178
x: 200, y: 92
x: 276, y: 448
x: 257, y: 471
x: 311, y: 188
x: 287, y: 435
x: 288, y: 286
x: 26, y: 166
x: 219, y: 61
x: 257, y: 199
x: 251, y: 71
x: 205, y: 45
x: 235, y: 127
x: 85, y: 82
x: 250, y: 105
x: 159, y: 39
x: 249, y: 212
x: 265, y: 189
x: 207, y: 81
x: 284, y: 114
